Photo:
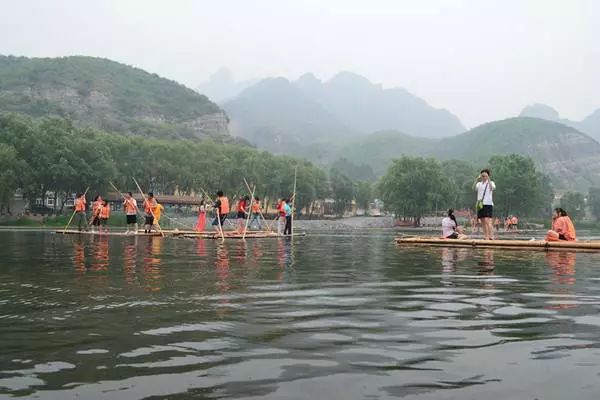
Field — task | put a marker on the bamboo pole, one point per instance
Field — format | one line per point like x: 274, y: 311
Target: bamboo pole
x: 294, y: 199
x: 151, y: 212
x: 269, y: 226
x: 249, y: 214
x: 219, y: 224
x: 74, y: 212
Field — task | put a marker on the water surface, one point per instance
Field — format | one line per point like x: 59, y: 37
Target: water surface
x: 319, y: 317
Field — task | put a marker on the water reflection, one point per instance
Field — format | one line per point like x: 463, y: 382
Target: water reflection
x: 130, y: 260
x: 321, y: 317
x: 563, y: 270
x: 152, y: 264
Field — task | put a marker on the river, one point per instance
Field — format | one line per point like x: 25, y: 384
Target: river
x: 320, y: 317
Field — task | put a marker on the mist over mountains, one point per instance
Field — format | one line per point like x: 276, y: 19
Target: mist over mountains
x: 279, y: 114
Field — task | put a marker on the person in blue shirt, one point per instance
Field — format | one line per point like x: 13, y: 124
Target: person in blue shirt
x: 288, y: 217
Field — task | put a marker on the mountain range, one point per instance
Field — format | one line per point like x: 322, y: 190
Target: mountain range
x: 589, y: 125
x: 108, y: 95
x: 570, y: 157
x: 282, y: 115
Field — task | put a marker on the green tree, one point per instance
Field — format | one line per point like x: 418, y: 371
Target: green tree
x: 574, y: 204
x: 413, y: 186
x: 461, y: 175
x: 520, y: 188
x: 363, y: 194
x: 341, y: 189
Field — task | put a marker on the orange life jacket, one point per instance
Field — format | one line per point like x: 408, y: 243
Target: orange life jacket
x: 105, y: 211
x: 130, y: 206
x: 224, y: 208
x: 80, y: 204
x: 241, y: 206
x: 564, y: 226
x: 255, y: 207
x: 149, y: 205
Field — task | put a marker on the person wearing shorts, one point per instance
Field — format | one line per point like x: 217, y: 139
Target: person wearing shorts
x: 130, y: 206
x: 485, y: 187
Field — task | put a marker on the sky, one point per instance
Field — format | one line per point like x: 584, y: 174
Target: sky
x: 482, y: 60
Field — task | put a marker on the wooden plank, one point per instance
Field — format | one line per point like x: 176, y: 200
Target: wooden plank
x: 514, y: 244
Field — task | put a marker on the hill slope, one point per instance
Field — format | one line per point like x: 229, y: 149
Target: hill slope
x: 570, y: 157
x: 107, y: 95
x: 589, y: 125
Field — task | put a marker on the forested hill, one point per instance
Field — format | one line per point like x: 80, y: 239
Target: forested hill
x: 570, y: 157
x: 107, y: 95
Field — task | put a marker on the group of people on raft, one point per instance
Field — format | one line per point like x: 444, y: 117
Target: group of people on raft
x: 100, y: 213
x: 562, y: 226
x: 246, y: 209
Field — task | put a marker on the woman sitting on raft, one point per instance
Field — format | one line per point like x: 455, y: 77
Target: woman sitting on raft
x: 562, y: 227
x: 450, y: 228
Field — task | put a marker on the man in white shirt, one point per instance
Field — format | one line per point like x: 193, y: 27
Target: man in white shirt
x: 485, y: 187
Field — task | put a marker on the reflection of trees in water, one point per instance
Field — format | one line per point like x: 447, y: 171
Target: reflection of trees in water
x: 223, y: 283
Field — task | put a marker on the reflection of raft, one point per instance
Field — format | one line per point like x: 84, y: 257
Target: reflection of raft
x: 593, y: 245
x: 185, y: 233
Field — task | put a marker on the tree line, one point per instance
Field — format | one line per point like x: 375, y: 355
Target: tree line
x: 54, y: 155
x: 415, y: 186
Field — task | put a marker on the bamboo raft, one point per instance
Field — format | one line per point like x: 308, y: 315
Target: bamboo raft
x: 590, y: 245
x: 185, y: 233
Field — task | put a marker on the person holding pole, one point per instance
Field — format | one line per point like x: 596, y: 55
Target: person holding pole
x: 80, y: 212
x: 288, y: 217
x: 149, y: 204
x: 222, y: 208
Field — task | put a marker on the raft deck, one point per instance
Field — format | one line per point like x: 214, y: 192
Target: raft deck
x: 590, y: 245
x: 185, y: 233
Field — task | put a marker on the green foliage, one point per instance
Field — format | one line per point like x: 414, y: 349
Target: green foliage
x: 100, y: 93
x: 342, y: 190
x: 594, y: 201
x: 413, y: 186
x: 461, y: 175
x: 363, y: 193
x: 520, y: 188
x: 54, y: 155
x: 574, y: 204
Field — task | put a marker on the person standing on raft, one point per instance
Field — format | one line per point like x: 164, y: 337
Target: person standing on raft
x: 201, y: 223
x: 485, y: 203
x: 104, y: 215
x: 222, y: 208
x: 80, y: 212
x: 130, y: 207
x: 562, y: 227
x: 149, y: 204
x: 288, y: 218
x: 256, y: 212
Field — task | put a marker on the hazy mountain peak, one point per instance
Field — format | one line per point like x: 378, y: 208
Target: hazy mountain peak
x: 351, y: 80
x: 542, y: 111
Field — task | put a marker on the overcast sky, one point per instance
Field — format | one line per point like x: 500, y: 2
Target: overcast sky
x: 480, y: 59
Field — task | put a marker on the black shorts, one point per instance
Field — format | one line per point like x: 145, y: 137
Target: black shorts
x: 561, y: 236
x: 131, y: 219
x: 103, y: 221
x: 149, y: 220
x: 452, y: 236
x: 241, y: 214
x: 486, y: 212
x: 96, y: 221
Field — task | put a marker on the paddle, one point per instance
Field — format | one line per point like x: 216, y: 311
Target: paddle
x: 74, y: 212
